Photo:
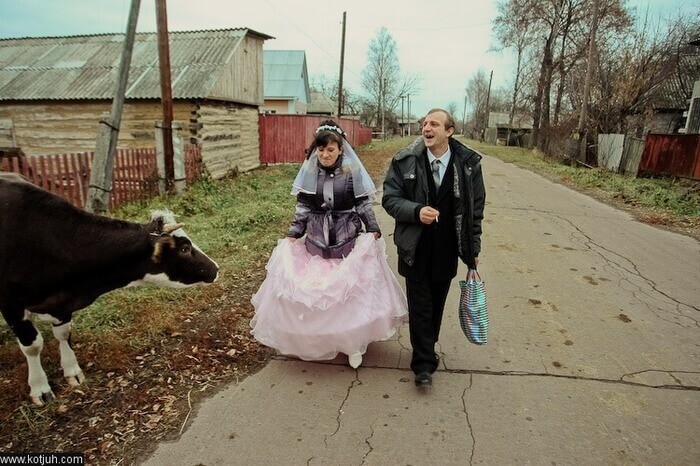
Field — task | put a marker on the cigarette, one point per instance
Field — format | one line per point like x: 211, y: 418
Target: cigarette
x: 436, y: 218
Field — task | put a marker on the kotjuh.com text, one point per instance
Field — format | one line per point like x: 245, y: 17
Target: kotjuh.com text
x: 42, y: 458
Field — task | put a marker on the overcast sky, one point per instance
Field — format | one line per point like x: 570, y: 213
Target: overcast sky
x: 445, y: 42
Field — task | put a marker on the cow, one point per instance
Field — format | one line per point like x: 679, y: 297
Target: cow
x: 56, y: 259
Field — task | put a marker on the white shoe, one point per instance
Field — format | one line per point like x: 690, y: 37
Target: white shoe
x: 355, y: 360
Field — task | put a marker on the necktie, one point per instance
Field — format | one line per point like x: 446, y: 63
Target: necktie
x: 436, y: 173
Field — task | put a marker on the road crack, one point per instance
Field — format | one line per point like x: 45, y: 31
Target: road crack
x: 352, y: 385
x: 620, y: 381
x: 369, y: 444
x: 629, y: 270
x: 469, y: 424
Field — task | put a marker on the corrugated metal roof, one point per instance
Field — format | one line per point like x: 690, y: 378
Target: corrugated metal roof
x: 85, y: 67
x: 674, y: 84
x: 286, y: 76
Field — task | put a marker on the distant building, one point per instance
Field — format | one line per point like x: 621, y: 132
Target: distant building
x: 692, y: 122
x: 664, y: 108
x: 321, y: 104
x: 286, y: 82
x: 499, y: 128
x: 55, y: 90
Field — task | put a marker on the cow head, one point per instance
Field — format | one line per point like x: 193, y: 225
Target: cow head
x: 176, y: 261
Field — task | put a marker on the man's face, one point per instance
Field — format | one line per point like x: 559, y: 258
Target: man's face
x: 434, y: 133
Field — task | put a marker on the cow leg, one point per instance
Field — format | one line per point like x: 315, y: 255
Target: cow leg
x: 71, y: 370
x: 40, y: 390
x: 31, y: 343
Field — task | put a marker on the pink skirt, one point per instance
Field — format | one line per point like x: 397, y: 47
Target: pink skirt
x: 315, y: 308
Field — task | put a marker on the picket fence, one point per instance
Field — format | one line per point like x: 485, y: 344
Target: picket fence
x: 68, y: 175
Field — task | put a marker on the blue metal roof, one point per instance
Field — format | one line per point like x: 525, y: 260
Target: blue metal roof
x: 286, y: 75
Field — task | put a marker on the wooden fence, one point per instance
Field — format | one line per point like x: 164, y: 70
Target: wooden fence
x: 68, y: 175
x: 620, y: 153
x: 284, y: 138
x: 671, y: 154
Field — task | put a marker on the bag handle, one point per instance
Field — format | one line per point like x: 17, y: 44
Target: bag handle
x: 473, y: 274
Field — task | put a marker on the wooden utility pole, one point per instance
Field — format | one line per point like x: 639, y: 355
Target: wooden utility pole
x: 106, y: 146
x: 403, y: 121
x: 464, y: 115
x: 342, y: 61
x: 587, y: 86
x: 488, y: 97
x: 166, y: 94
x: 408, y: 112
x: 383, y: 105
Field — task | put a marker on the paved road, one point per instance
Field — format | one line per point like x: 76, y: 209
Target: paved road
x: 592, y: 358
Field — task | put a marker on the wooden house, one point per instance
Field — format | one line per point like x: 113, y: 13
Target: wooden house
x: 664, y: 108
x: 286, y: 86
x: 55, y: 90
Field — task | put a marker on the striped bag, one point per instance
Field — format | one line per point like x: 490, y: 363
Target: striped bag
x: 473, y: 317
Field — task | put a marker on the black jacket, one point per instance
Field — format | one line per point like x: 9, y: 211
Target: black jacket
x: 407, y: 190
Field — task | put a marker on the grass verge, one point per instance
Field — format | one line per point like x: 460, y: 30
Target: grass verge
x: 666, y: 202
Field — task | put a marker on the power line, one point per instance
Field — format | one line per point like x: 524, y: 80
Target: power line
x: 447, y: 28
x: 301, y: 30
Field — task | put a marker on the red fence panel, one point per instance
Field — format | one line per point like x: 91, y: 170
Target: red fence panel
x: 285, y: 138
x: 671, y: 154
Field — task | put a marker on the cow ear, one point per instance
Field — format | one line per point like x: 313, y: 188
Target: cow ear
x: 156, y: 226
x: 158, y: 249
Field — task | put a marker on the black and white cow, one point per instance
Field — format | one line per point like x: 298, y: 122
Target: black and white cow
x: 56, y: 259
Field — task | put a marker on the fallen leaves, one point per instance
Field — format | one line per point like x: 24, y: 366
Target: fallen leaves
x: 120, y: 414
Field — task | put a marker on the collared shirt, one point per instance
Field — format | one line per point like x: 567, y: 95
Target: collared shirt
x: 444, y: 161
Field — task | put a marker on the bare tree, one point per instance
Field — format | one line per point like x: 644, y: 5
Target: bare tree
x: 352, y: 102
x: 632, y: 60
x: 514, y: 29
x: 477, y: 88
x: 322, y: 83
x: 382, y: 72
x: 632, y: 68
x: 452, y: 108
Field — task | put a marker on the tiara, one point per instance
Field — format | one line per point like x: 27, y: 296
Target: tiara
x: 330, y: 128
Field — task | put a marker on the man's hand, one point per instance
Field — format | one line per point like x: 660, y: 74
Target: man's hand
x: 428, y: 215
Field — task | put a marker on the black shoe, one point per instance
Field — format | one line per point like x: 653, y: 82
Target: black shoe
x: 423, y: 379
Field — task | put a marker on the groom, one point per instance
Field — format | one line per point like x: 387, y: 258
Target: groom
x: 435, y: 191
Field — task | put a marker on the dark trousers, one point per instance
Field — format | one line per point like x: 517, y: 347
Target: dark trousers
x: 426, y: 302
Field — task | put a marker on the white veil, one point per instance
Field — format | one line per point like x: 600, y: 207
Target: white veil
x: 305, y: 181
